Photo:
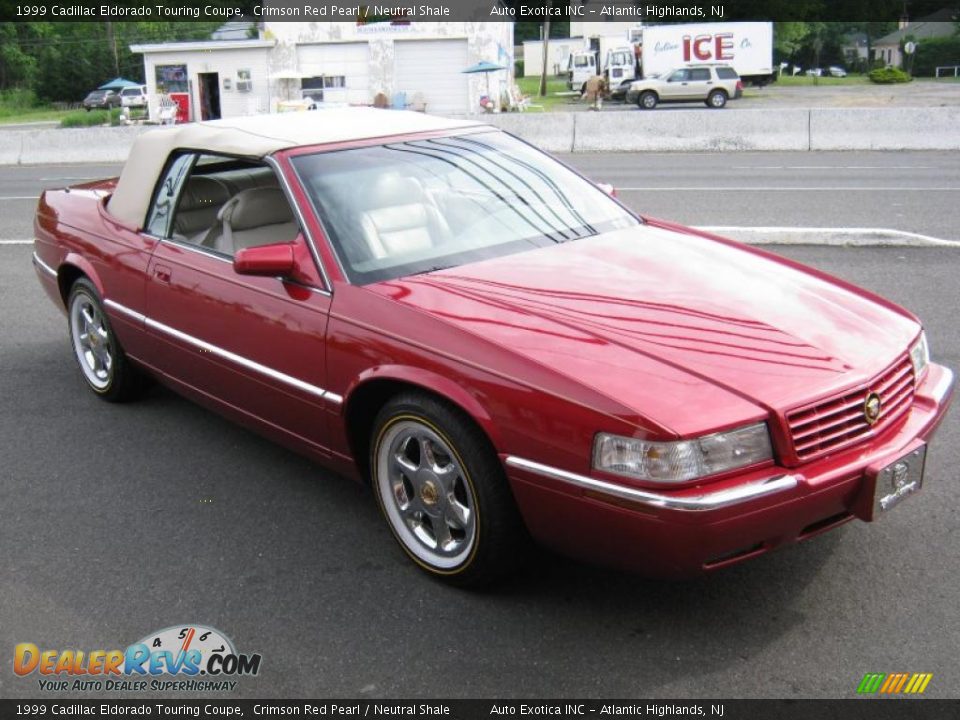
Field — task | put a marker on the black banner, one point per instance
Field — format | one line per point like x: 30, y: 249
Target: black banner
x: 400, y: 11
x: 860, y: 709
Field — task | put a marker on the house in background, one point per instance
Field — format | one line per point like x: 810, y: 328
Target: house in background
x: 334, y: 62
x: 855, y: 49
x: 942, y: 23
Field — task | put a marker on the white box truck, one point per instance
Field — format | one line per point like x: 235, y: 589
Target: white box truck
x: 745, y: 46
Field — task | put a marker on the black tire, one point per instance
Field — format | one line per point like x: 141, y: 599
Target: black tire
x: 717, y: 99
x: 648, y: 100
x: 422, y: 506
x: 116, y: 380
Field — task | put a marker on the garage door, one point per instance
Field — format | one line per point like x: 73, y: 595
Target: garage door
x: 432, y: 68
x: 343, y: 67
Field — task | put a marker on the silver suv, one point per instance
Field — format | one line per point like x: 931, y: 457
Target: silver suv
x: 710, y: 84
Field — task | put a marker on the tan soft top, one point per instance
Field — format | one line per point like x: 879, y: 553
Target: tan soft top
x: 256, y: 137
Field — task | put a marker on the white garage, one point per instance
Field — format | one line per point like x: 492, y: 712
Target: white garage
x: 336, y: 72
x: 433, y: 68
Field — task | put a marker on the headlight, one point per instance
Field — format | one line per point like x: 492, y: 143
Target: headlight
x: 684, y: 459
x: 920, y: 355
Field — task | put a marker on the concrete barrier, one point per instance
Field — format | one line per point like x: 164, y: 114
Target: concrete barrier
x: 684, y: 130
x: 77, y: 145
x: 919, y: 128
x: 553, y: 132
x: 11, y: 145
x: 661, y: 130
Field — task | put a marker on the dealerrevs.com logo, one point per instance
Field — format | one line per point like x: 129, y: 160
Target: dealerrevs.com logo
x: 182, y: 657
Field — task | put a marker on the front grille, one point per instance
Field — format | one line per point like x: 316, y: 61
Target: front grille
x: 839, y: 422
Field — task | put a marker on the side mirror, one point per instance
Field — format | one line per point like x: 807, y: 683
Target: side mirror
x: 608, y: 189
x: 274, y: 260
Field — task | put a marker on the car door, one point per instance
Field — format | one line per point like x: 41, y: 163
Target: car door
x: 699, y: 84
x: 252, y: 345
x: 675, y: 87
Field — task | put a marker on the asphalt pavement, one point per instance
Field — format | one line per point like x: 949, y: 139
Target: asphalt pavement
x: 906, y: 191
x: 118, y: 520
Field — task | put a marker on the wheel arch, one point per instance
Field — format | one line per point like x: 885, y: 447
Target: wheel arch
x: 70, y: 270
x: 372, y: 389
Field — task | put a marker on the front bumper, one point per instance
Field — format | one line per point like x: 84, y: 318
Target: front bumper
x: 687, y: 532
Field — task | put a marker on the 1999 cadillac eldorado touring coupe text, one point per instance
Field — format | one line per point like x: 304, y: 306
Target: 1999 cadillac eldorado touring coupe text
x: 496, y: 344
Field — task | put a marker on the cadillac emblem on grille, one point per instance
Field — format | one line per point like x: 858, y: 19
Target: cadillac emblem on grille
x: 871, y: 408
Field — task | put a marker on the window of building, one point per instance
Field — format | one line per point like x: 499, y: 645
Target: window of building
x: 171, y: 78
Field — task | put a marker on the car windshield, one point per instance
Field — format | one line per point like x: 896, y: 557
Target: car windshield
x: 412, y: 207
x: 130, y: 91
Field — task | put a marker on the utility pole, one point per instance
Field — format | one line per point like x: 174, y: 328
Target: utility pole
x: 546, y: 56
x: 112, y: 40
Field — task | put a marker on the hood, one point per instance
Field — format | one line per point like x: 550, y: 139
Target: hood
x: 661, y: 320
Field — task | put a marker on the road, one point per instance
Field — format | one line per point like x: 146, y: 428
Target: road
x: 120, y: 520
x: 908, y: 191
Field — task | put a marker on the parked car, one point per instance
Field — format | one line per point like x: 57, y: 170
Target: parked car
x: 836, y: 71
x: 134, y: 96
x: 813, y: 72
x: 711, y: 84
x: 101, y: 100
x: 493, y: 342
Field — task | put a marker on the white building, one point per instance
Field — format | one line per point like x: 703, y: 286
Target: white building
x: 559, y: 51
x: 419, y: 64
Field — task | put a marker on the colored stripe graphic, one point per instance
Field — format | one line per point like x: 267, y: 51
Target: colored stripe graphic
x: 870, y: 683
x: 894, y: 683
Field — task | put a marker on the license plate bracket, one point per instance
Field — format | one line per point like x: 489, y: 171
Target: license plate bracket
x: 897, y: 480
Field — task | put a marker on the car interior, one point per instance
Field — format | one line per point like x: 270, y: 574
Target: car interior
x: 229, y: 206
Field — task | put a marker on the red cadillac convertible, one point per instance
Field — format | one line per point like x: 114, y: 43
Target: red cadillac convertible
x: 498, y: 346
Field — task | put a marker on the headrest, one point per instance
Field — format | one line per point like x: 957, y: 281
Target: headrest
x: 203, y: 192
x: 394, y: 190
x: 256, y: 207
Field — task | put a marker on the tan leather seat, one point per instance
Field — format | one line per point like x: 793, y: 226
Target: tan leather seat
x: 258, y: 216
x: 199, y: 206
x: 400, y: 218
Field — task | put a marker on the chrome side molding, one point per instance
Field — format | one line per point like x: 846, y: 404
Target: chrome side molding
x: 43, y: 266
x: 707, y: 501
x: 225, y: 354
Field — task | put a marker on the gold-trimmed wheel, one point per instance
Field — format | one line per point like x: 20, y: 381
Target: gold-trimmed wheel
x: 443, y: 491
x: 104, y: 365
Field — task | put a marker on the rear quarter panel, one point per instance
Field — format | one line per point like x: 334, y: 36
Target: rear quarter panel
x: 75, y: 235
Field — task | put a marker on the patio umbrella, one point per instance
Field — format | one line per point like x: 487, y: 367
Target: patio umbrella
x: 486, y: 68
x: 118, y: 83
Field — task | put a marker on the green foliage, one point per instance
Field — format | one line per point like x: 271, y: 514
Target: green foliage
x: 92, y: 118
x: 935, y: 52
x: 83, y: 118
x: 889, y: 76
x: 63, y: 61
x: 17, y: 100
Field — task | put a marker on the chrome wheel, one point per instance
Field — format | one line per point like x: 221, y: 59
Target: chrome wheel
x: 718, y: 99
x: 426, y: 493
x: 92, y: 341
x: 648, y: 101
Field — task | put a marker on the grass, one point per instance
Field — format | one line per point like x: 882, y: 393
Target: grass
x: 530, y: 86
x: 805, y: 81
x: 21, y: 106
x: 92, y: 118
x: 10, y: 116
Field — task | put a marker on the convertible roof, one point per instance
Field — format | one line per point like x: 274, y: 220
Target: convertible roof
x: 256, y: 137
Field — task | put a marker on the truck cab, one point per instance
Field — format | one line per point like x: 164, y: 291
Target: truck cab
x: 619, y: 66
x: 581, y: 66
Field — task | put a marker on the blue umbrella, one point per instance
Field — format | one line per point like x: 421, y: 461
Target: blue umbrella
x: 485, y: 67
x: 118, y: 83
